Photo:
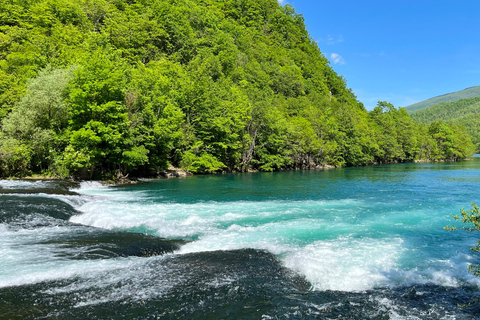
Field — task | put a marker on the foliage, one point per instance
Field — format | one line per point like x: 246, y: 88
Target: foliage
x: 15, y: 157
x: 471, y: 219
x: 464, y: 112
x: 401, y: 138
x: 36, y: 122
x: 202, y: 163
x: 110, y: 87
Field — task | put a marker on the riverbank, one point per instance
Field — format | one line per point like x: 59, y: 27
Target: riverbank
x: 173, y: 172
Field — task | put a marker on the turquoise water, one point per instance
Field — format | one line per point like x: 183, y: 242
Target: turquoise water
x: 350, y: 229
x: 361, y: 238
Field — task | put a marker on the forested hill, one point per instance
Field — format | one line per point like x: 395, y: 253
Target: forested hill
x: 471, y: 92
x: 465, y: 112
x: 98, y: 88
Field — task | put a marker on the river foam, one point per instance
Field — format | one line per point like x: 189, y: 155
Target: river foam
x: 336, y: 244
x: 347, y: 264
x: 340, y: 244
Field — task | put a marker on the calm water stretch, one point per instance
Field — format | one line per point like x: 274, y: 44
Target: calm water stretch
x: 352, y: 243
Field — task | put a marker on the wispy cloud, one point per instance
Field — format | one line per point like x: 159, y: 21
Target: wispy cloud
x: 331, y: 39
x: 282, y: 2
x: 336, y: 58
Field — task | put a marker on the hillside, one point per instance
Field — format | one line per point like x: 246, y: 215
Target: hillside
x: 454, y: 96
x: 465, y: 112
x: 106, y: 88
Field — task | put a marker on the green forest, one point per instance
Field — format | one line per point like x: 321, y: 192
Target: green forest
x: 464, y: 112
x: 101, y: 88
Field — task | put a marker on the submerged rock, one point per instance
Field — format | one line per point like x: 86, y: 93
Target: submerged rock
x: 38, y: 191
x: 92, y: 243
x: 238, y: 284
x: 20, y: 210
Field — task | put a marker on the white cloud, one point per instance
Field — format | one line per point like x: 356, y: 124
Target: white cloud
x: 336, y: 58
x: 282, y: 1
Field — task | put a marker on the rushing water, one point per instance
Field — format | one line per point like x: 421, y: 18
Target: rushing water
x: 351, y: 243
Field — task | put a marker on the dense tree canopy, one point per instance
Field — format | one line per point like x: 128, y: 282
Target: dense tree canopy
x: 463, y: 112
x: 92, y: 88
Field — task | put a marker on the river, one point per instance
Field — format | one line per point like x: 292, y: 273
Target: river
x: 351, y: 243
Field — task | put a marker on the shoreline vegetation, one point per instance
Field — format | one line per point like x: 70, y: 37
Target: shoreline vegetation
x: 172, y: 173
x: 112, y: 89
x: 463, y: 111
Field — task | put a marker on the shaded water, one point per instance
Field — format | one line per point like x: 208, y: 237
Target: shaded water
x: 353, y: 243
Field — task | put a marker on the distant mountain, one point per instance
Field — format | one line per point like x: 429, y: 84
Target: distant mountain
x: 454, y: 96
x: 464, y: 112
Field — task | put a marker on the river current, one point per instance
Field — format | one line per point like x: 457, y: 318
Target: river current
x: 352, y: 243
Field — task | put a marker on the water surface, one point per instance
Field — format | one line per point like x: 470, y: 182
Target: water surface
x: 364, y: 242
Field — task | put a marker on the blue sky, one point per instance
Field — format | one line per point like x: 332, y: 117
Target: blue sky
x: 403, y: 51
